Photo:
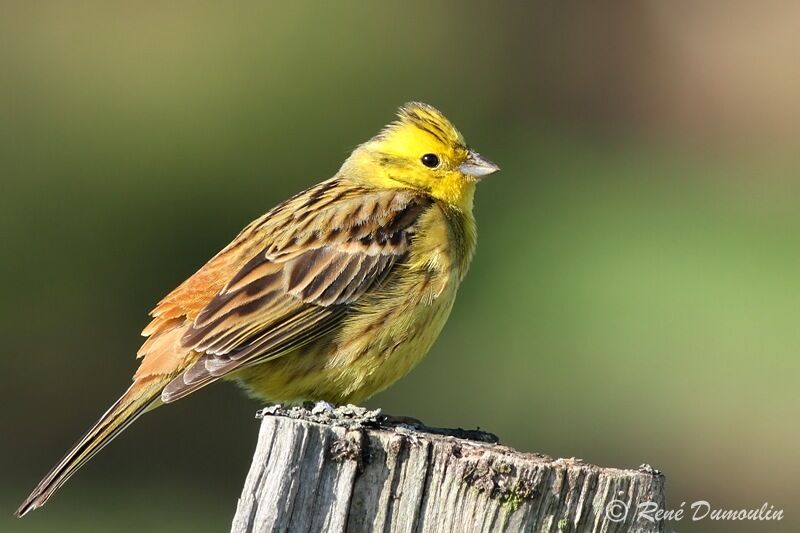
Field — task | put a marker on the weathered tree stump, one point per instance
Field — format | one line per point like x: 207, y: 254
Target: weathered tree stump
x: 349, y: 469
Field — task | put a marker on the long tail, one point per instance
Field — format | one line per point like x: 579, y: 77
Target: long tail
x: 141, y: 396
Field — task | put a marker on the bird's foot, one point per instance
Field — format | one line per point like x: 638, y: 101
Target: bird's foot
x: 400, y: 420
x: 321, y: 407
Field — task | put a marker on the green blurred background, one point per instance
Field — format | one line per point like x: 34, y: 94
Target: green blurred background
x: 635, y: 297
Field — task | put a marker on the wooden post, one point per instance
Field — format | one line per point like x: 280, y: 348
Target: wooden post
x: 349, y: 469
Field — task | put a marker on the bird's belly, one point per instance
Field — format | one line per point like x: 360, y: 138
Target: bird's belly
x: 372, y: 350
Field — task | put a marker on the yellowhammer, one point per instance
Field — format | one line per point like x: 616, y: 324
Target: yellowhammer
x: 332, y: 295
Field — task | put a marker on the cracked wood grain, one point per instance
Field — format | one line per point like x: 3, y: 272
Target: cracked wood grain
x: 348, y: 469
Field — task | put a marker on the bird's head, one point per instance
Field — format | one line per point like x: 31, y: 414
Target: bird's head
x: 421, y: 150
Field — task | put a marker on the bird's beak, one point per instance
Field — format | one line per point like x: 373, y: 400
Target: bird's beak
x: 477, y: 166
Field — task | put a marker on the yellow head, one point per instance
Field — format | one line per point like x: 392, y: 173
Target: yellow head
x: 421, y: 150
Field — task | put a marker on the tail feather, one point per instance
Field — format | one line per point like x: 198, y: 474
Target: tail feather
x: 141, y: 396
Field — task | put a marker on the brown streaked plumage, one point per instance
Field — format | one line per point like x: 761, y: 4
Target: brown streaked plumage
x: 332, y: 295
x: 298, y: 287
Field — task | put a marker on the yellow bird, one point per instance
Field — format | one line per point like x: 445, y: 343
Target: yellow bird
x: 332, y: 295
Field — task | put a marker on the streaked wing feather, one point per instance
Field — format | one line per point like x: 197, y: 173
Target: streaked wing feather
x: 302, y: 282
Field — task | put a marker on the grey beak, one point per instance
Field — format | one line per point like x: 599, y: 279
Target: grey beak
x: 477, y: 166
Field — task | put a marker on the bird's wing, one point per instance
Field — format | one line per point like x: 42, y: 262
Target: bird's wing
x: 319, y: 252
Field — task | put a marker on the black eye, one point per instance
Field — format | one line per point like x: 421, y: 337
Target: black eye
x: 430, y: 160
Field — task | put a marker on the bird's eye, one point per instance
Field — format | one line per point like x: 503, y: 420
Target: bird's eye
x: 430, y: 160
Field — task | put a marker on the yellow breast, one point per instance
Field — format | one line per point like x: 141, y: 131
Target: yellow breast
x: 388, y: 332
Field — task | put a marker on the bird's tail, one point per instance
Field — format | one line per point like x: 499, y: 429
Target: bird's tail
x: 141, y: 396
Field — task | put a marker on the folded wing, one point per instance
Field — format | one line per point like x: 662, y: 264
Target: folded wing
x: 319, y: 253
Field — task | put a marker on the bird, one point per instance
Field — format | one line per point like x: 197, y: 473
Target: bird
x: 332, y: 295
